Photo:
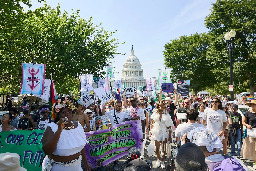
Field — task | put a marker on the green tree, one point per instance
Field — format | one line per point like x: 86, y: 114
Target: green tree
x: 239, y: 15
x: 187, y: 57
x: 67, y: 44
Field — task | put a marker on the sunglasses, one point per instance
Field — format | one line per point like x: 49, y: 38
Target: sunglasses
x: 186, y: 103
x: 215, y: 101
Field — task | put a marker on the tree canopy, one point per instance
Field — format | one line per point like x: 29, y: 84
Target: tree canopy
x: 68, y: 44
x: 239, y: 15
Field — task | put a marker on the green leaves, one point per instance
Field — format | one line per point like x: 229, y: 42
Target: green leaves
x: 204, y: 58
x: 66, y: 43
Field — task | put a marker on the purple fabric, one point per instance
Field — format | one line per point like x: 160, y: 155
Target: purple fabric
x: 131, y: 132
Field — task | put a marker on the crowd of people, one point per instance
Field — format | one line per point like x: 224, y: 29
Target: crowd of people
x: 202, y: 127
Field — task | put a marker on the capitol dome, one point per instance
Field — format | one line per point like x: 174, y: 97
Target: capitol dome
x: 132, y: 74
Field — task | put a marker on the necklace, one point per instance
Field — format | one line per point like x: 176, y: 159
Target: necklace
x: 70, y: 127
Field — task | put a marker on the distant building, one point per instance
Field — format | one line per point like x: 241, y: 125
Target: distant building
x: 132, y: 74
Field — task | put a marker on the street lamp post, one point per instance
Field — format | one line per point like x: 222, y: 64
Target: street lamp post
x: 229, y: 37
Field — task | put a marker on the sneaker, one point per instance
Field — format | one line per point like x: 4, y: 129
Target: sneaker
x: 162, y: 165
x: 158, y: 163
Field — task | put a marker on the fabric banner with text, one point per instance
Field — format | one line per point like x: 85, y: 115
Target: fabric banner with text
x: 106, y: 146
x: 26, y: 143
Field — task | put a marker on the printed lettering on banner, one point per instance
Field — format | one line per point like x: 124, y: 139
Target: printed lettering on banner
x: 106, y: 146
x: 33, y: 76
x: 26, y: 143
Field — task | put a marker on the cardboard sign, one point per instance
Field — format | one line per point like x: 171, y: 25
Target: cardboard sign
x: 33, y: 76
x: 106, y: 146
x: 167, y: 87
x: 26, y: 143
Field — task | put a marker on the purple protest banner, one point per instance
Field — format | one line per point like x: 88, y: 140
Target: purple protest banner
x: 106, y: 146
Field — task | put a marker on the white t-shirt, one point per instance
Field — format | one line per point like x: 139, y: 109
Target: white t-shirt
x: 185, y: 128
x: 120, y: 117
x: 140, y: 113
x: 215, y: 119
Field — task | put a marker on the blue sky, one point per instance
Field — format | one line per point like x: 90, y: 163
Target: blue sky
x: 146, y: 24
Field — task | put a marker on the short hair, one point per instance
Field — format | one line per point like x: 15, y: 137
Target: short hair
x: 192, y: 114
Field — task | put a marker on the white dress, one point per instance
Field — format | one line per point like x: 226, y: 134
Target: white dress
x: 159, y: 132
x: 70, y: 142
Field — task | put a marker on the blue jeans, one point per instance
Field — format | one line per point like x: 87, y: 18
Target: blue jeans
x: 235, y: 140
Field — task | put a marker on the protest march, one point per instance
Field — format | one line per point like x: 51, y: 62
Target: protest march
x: 73, y: 99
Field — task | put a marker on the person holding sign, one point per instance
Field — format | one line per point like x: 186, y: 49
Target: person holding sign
x: 63, y: 144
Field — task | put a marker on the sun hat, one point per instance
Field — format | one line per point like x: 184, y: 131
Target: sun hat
x: 191, y: 157
x: 10, y: 162
x: 251, y: 102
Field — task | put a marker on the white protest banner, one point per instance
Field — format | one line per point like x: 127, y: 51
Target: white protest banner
x: 101, y: 83
x: 85, y: 97
x: 46, y: 93
x: 33, y: 76
x: 86, y: 82
x: 100, y: 92
x: 129, y: 91
x: 118, y: 84
x: 150, y: 84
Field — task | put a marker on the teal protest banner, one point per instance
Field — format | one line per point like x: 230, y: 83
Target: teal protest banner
x: 26, y: 143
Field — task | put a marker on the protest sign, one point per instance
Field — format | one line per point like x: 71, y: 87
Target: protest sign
x: 129, y: 91
x: 110, y: 73
x: 26, y: 143
x: 118, y: 84
x: 150, y: 84
x: 46, y: 91
x: 101, y: 83
x: 86, y: 82
x: 167, y: 87
x: 183, y: 88
x: 33, y: 76
x: 106, y: 146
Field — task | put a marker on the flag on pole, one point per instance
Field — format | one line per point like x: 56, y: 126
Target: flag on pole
x: 52, y: 100
x: 33, y: 76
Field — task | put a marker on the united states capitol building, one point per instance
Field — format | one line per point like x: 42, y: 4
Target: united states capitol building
x: 132, y: 74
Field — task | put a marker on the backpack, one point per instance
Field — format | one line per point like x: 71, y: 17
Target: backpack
x: 231, y: 163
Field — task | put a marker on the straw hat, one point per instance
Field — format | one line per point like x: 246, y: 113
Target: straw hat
x: 251, y: 102
x: 10, y: 161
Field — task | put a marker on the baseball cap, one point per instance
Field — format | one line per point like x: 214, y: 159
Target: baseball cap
x: 191, y: 157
